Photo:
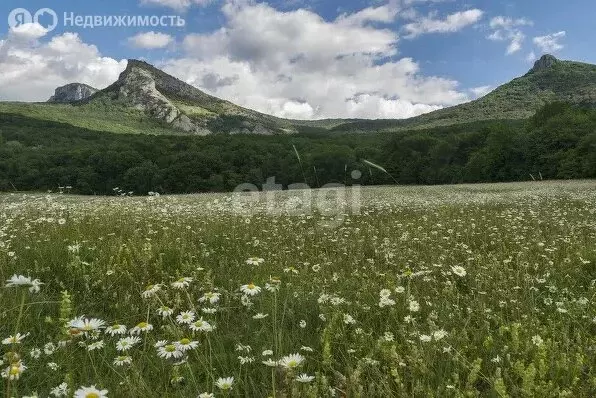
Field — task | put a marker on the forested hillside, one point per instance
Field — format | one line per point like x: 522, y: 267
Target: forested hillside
x: 558, y: 142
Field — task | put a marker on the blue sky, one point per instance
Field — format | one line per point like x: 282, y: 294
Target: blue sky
x: 304, y: 58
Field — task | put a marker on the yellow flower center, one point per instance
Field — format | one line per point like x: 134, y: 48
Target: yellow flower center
x: 251, y: 286
x: 185, y: 341
x: 91, y: 395
x: 170, y: 348
x: 15, y: 370
x: 142, y: 325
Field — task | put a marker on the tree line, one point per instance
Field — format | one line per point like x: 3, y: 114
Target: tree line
x: 559, y: 142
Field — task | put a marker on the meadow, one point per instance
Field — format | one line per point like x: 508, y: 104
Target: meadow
x: 454, y: 291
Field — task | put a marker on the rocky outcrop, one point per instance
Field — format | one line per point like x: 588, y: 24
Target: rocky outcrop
x: 545, y: 62
x: 73, y: 92
x: 138, y: 88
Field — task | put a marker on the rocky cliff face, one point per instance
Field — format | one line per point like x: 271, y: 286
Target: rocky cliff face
x: 545, y: 62
x: 185, y: 107
x: 73, y: 92
x: 138, y: 87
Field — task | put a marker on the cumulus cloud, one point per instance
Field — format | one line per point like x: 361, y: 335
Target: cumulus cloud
x: 296, y: 64
x: 451, y: 23
x: 32, y: 69
x: 151, y: 40
x: 509, y: 30
x: 550, y: 43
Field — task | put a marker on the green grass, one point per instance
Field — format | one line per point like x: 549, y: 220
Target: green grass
x: 98, y: 116
x: 519, y: 323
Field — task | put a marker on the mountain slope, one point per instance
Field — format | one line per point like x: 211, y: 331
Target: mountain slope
x: 149, y: 101
x: 183, y: 106
x: 549, y: 80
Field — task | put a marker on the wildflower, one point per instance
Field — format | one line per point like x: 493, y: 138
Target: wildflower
x: 306, y: 349
x: 53, y: 365
x: 425, y: 338
x: 385, y: 293
x: 400, y: 289
x: 267, y: 353
x: 537, y: 340
x: 90, y: 392
x: 126, y: 343
x: 14, y: 371
x: 60, y: 390
x: 304, y: 378
x: 49, y: 348
x: 349, y: 319
x: 291, y: 361
x: 245, y: 360
x: 201, y: 325
x: 439, y: 334
x: 270, y: 362
x: 182, y: 283
x: 186, y: 344
x: 35, y: 353
x: 122, y: 360
x: 151, y: 291
x: 169, y: 351
x: 211, y: 297
x: 165, y: 311
x: 16, y: 339
x: 96, y: 346
x: 116, y: 329
x: 206, y: 395
x: 23, y: 281
x: 224, y: 383
x: 386, y: 302
x: 141, y: 327
x: 260, y: 316
x: 414, y: 306
x: 388, y: 337
x: 86, y: 325
x: 209, y: 311
x: 160, y: 343
x: 459, y: 271
x: 185, y: 318
x: 250, y: 290
x: 302, y: 324
x: 255, y: 261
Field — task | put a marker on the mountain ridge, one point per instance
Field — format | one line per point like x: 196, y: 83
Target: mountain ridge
x: 145, y: 99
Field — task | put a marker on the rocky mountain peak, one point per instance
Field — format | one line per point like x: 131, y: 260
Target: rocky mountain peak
x: 72, y: 92
x: 545, y: 62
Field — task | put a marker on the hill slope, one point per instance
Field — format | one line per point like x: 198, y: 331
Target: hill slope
x: 548, y: 81
x: 146, y: 100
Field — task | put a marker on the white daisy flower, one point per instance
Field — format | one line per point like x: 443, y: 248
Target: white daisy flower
x: 60, y: 390
x: 181, y: 283
x: 186, y: 344
x: 141, y: 327
x: 151, y: 291
x: 90, y: 392
x: 169, y: 351
x: 304, y: 378
x: 116, y: 329
x: 123, y: 360
x: 14, y: 371
x: 126, y: 343
x: 291, y: 361
x: 185, y: 317
x: 459, y: 271
x: 16, y: 339
x: 250, y: 290
x: 224, y: 383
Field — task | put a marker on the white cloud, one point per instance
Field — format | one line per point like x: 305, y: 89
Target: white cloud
x: 509, y: 29
x: 178, y: 5
x: 31, y: 70
x: 481, y: 91
x: 151, y: 40
x: 531, y: 57
x: 296, y: 64
x: 452, y: 23
x: 550, y: 43
x: 27, y: 32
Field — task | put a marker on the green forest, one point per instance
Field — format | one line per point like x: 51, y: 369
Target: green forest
x: 559, y: 142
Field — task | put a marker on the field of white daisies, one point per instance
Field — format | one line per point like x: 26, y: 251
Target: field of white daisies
x: 468, y: 291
